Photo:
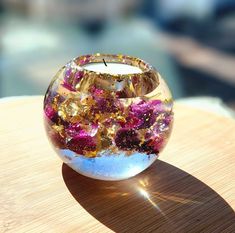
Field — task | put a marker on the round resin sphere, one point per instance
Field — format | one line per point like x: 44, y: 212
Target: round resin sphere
x: 108, y: 126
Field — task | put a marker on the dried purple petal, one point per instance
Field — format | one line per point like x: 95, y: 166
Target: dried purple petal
x: 96, y: 91
x: 51, y: 114
x: 82, y: 143
x: 68, y: 86
x: 144, y: 111
x: 152, y: 146
x: 72, y: 79
x: 131, y: 122
x: 105, y: 105
x: 157, y: 143
x: 78, y: 77
x: 49, y: 111
x: 127, y: 139
x: 168, y: 119
x: 80, y: 139
x: 68, y: 72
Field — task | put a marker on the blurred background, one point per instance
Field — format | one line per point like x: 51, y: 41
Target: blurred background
x: 191, y: 43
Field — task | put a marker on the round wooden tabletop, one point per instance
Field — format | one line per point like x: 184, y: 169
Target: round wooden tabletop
x: 190, y: 188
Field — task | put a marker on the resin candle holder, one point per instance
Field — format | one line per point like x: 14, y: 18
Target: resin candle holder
x: 108, y: 116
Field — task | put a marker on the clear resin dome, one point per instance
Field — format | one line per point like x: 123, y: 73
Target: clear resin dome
x: 108, y: 126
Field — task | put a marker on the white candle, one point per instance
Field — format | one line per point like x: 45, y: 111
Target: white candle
x: 113, y: 68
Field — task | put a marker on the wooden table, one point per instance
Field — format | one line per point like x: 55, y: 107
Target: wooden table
x: 189, y: 189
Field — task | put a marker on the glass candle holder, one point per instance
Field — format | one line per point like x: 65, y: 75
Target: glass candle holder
x: 108, y: 116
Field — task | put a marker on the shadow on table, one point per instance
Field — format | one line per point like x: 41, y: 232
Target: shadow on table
x: 161, y: 199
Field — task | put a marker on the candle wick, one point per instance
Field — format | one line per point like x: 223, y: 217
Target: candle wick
x: 104, y: 62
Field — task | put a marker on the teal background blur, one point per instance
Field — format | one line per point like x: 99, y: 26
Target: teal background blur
x: 191, y: 43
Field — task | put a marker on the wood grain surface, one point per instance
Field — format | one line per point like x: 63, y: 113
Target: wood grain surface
x: 189, y: 189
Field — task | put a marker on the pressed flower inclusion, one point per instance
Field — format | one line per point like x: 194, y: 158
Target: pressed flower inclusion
x: 105, y: 126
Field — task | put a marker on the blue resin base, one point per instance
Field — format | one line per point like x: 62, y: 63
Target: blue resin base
x: 108, y: 167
